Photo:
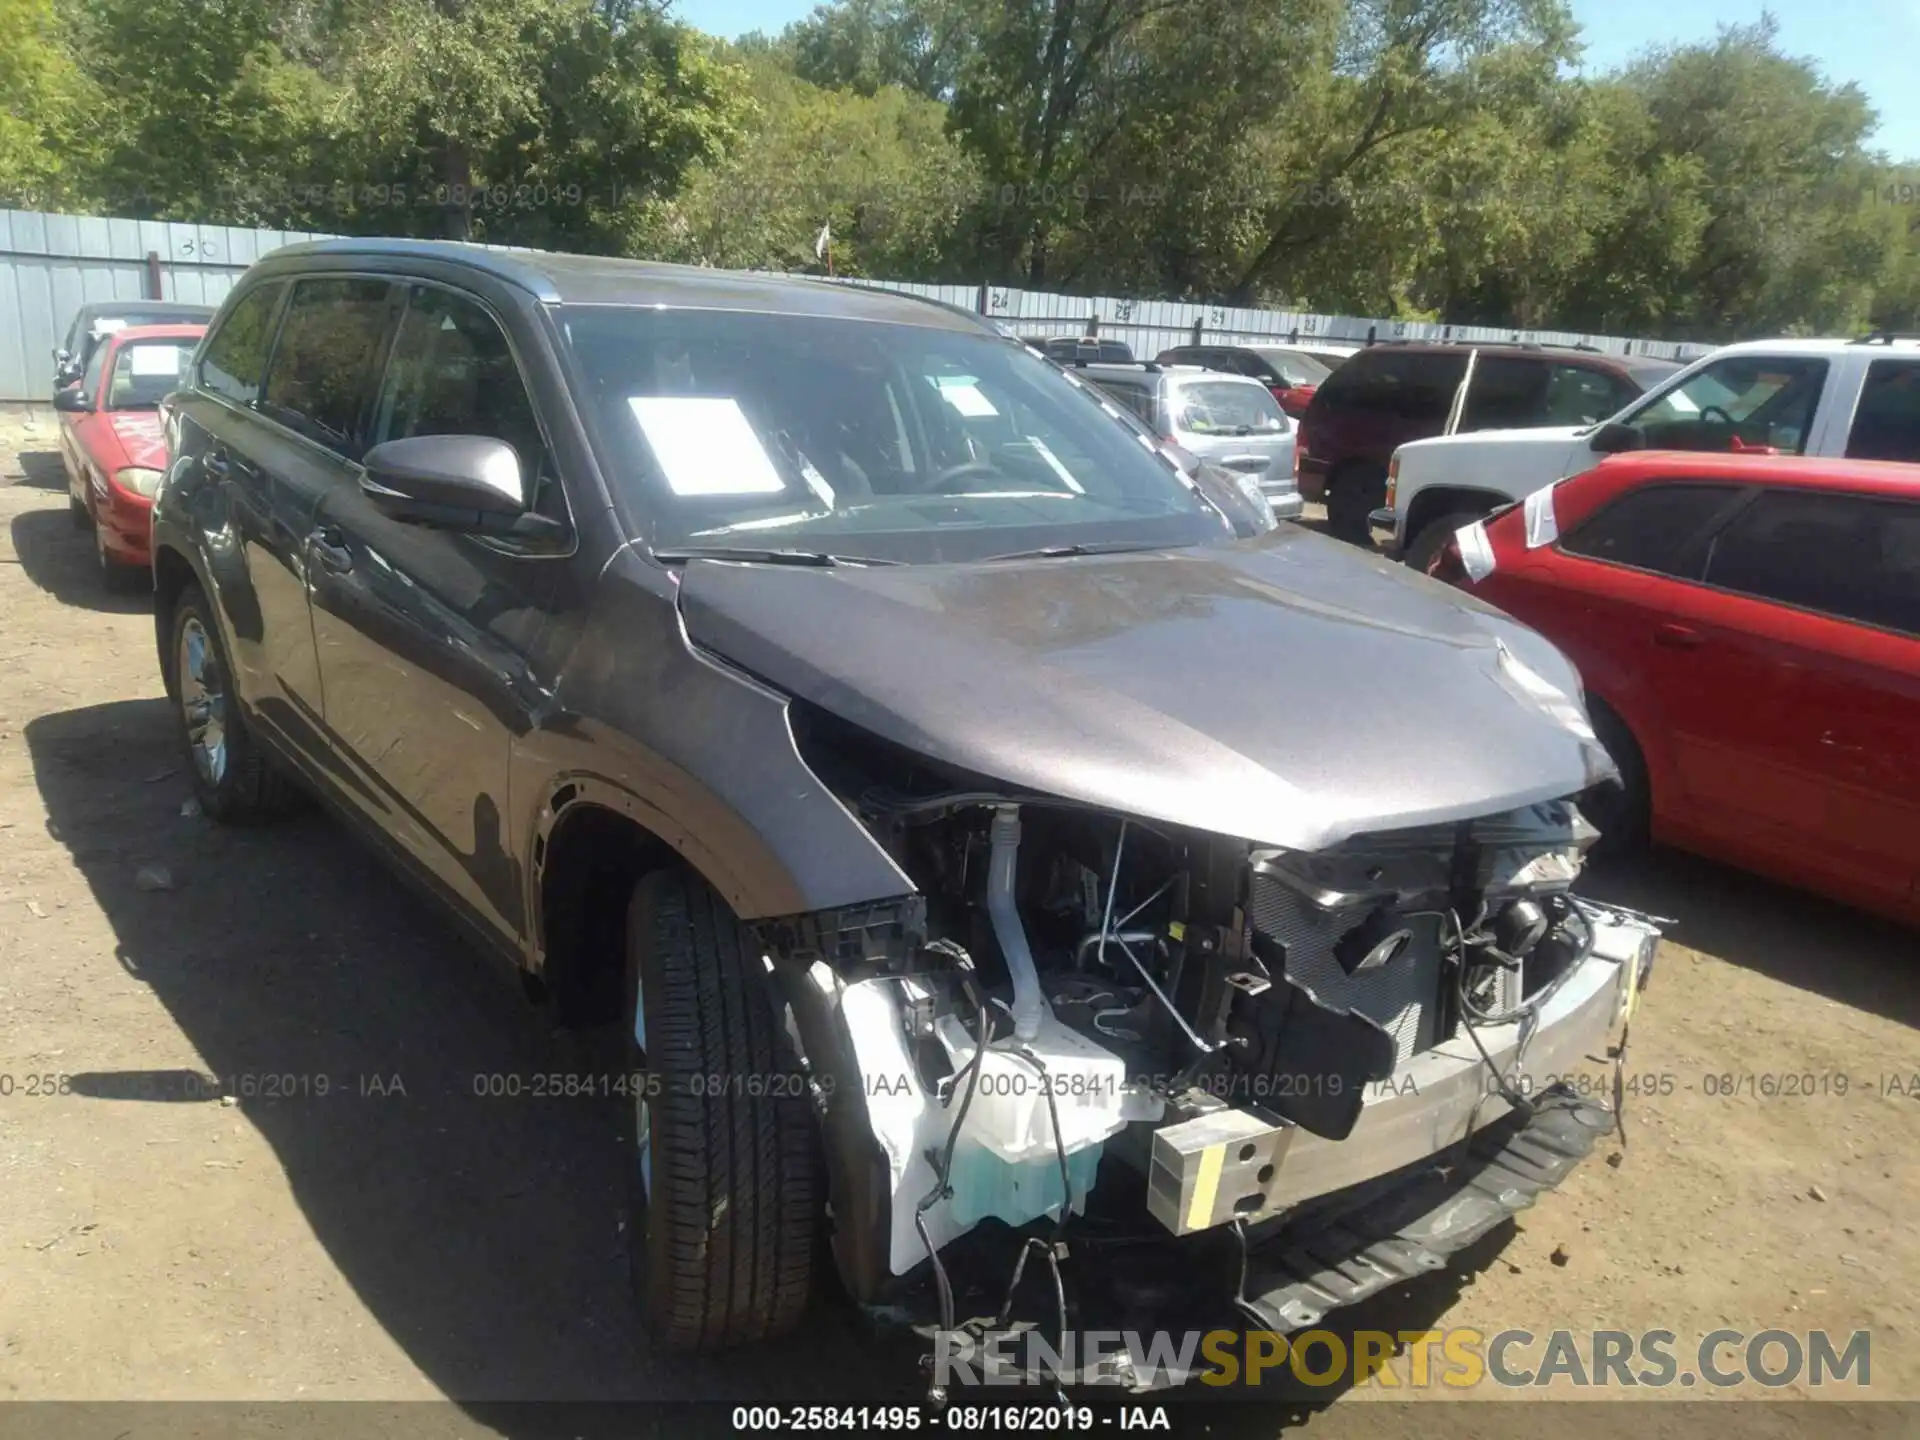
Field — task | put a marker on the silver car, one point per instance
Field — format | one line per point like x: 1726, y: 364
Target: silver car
x: 1231, y: 420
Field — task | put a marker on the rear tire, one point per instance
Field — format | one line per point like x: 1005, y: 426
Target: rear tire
x: 1433, y: 535
x: 1352, y: 495
x: 724, y: 1184
x: 1622, y: 814
x: 233, y: 779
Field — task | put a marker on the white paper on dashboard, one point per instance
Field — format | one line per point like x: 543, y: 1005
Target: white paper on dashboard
x: 108, y: 327
x: 155, y: 359
x: 705, y: 445
x: 967, y: 399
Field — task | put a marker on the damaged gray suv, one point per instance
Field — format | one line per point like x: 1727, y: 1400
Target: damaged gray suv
x: 977, y: 845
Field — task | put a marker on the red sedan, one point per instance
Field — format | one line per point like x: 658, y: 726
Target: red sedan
x: 111, y: 440
x: 1748, y: 630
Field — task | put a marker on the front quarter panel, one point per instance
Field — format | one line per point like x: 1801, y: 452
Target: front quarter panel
x: 701, y: 755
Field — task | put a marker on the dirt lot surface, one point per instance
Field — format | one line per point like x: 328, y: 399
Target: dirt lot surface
x: 399, y: 1237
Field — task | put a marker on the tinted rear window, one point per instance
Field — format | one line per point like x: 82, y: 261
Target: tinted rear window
x: 1135, y: 395
x: 1886, y: 422
x: 1653, y: 528
x: 1848, y: 556
x: 1413, y: 386
x: 1295, y: 368
x: 1506, y: 392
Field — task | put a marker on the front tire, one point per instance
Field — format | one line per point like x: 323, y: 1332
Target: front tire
x: 1623, y: 815
x: 724, y: 1186
x: 1433, y: 535
x: 232, y: 778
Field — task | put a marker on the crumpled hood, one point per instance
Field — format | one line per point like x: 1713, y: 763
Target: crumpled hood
x: 139, y: 434
x: 1290, y: 690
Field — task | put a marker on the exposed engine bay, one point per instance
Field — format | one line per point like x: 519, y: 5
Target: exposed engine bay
x: 1203, y: 1015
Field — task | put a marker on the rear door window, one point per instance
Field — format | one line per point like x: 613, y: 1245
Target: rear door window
x: 1577, y: 395
x: 1505, y: 393
x: 1136, y: 397
x: 1247, y: 362
x: 1886, y: 422
x: 1656, y: 527
x: 325, y: 362
x: 1293, y: 368
x: 1853, y: 557
x: 236, y: 355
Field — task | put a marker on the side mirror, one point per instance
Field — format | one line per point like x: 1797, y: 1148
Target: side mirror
x: 1614, y: 438
x: 73, y: 400
x: 469, y: 483
x: 62, y: 361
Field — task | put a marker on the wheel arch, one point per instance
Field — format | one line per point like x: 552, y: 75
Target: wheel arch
x: 1433, y: 501
x: 590, y: 849
x: 1604, y: 700
x: 173, y: 572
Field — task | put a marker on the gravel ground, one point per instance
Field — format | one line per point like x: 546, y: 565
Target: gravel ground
x: 399, y: 1238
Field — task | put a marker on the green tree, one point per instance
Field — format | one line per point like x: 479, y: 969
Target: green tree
x: 878, y: 169
x: 200, y: 114
x: 1751, y: 211
x: 1402, y: 76
x: 41, y: 93
x: 551, y: 122
x: 865, y: 45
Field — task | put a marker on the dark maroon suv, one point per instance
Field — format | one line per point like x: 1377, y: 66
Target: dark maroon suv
x: 1397, y: 391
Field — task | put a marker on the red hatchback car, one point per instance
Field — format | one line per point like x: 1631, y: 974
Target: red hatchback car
x: 111, y: 440
x: 1748, y: 630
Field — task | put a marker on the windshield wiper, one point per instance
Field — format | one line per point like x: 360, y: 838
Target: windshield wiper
x: 774, y: 556
x: 1051, y: 552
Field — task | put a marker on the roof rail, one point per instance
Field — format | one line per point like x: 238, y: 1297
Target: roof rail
x: 1885, y: 337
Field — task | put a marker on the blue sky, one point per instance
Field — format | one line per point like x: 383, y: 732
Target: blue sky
x: 1874, y: 43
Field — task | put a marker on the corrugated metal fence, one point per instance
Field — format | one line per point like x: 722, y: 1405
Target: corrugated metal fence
x: 1150, y: 326
x: 50, y: 265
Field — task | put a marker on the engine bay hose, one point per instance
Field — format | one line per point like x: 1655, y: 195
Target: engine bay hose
x: 1029, y: 1004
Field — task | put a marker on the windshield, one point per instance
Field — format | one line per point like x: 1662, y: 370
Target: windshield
x: 145, y: 372
x: 1214, y: 407
x: 1299, y: 369
x: 859, y: 438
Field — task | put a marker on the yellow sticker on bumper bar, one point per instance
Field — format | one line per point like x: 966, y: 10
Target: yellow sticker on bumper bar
x: 1206, y: 1185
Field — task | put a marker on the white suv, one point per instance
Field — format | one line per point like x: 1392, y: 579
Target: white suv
x: 1853, y: 398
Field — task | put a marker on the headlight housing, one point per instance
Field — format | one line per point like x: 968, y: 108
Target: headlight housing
x: 139, y: 480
